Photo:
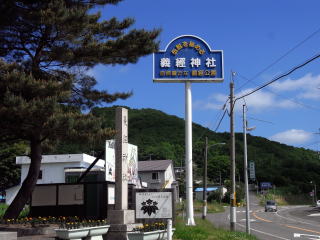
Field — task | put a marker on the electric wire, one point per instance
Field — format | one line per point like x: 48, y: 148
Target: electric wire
x: 256, y: 119
x: 281, y: 57
x: 219, y: 121
x: 279, y: 77
x: 311, y: 144
x: 224, y: 113
x: 282, y: 96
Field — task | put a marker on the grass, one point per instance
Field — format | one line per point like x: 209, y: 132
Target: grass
x: 3, y: 208
x: 204, y: 230
x: 213, y: 207
x: 285, y: 198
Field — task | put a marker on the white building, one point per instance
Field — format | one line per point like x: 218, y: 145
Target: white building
x: 157, y: 173
x: 68, y: 167
x: 54, y: 169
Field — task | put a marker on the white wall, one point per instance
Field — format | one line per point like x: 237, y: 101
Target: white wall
x: 132, y: 162
x: 11, y: 194
x: 52, y: 167
x: 163, y: 177
x: 152, y: 183
x: 169, y: 176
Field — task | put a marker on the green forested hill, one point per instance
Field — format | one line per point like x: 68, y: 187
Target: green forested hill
x: 161, y: 136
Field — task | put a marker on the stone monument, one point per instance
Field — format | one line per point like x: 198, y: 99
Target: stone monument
x: 121, y: 218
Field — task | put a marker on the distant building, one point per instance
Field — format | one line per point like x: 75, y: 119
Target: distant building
x: 158, y: 174
x: 199, y: 191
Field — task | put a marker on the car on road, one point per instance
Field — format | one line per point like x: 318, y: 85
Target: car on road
x: 318, y: 203
x: 270, y: 206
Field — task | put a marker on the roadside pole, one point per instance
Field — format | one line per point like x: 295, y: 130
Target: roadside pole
x: 204, y: 214
x: 232, y: 159
x: 245, y: 166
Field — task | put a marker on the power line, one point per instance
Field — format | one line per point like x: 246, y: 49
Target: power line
x: 256, y: 119
x: 311, y: 144
x: 280, y: 95
x: 281, y: 57
x: 224, y: 113
x: 281, y: 76
x: 222, y: 108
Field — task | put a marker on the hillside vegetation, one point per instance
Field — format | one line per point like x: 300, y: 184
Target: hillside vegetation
x: 161, y: 136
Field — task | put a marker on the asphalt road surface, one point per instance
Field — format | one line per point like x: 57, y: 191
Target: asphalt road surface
x: 289, y: 223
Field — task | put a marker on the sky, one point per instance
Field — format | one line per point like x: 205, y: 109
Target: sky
x: 260, y: 41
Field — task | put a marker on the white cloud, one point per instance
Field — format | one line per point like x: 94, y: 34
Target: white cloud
x: 207, y: 105
x: 256, y: 102
x: 307, y: 86
x: 292, y: 136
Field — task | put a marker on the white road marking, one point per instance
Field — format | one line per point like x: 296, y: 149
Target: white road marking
x: 296, y: 220
x: 314, y: 215
x: 298, y: 235
x: 251, y: 220
x: 269, y: 234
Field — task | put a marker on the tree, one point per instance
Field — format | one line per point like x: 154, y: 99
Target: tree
x: 9, y: 171
x: 46, y: 48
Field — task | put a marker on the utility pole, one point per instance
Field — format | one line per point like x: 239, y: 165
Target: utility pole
x: 232, y: 159
x: 246, y: 170
x: 204, y: 214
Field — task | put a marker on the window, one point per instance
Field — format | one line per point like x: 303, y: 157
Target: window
x: 40, y: 174
x: 155, y: 176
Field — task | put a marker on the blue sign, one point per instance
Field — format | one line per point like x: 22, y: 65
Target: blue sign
x: 188, y: 58
x: 265, y: 185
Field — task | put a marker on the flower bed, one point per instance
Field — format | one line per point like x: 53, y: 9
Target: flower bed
x: 48, y: 225
x: 153, y: 231
x: 83, y: 232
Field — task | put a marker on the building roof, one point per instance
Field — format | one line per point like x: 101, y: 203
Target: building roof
x: 153, y: 165
x: 82, y: 158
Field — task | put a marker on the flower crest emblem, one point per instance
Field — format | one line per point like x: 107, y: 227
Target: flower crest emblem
x: 149, y: 207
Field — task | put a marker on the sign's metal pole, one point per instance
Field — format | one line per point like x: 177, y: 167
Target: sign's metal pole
x: 188, y: 147
x: 169, y: 229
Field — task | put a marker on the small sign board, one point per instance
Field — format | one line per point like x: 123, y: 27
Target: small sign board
x: 252, y: 172
x: 153, y: 205
x: 188, y: 58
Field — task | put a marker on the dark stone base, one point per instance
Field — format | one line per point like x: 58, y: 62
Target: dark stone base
x: 121, y: 216
x: 8, y: 236
x: 119, y: 231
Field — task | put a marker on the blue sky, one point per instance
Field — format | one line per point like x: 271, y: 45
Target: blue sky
x: 253, y: 35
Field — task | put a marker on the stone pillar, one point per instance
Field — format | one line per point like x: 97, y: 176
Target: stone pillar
x: 121, y: 163
x: 121, y: 219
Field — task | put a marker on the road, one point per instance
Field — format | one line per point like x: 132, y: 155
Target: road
x: 289, y: 223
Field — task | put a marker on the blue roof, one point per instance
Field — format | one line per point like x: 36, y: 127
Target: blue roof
x: 209, y: 189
